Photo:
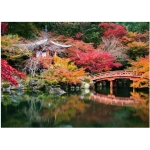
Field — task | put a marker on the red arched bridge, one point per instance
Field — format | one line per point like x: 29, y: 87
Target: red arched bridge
x: 112, y: 75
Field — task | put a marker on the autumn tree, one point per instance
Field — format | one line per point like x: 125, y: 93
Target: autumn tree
x: 95, y: 61
x: 64, y: 71
x: 141, y: 66
x: 111, y: 41
x: 79, y: 44
x: 137, y: 44
x: 4, y: 27
x: 134, y: 36
x: 14, y: 54
x: 8, y: 73
x: 112, y: 30
x: 32, y: 66
x: 137, y: 49
x: 45, y: 62
x: 115, y: 47
x: 37, y: 64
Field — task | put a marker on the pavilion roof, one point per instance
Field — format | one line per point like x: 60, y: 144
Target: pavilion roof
x: 44, y: 44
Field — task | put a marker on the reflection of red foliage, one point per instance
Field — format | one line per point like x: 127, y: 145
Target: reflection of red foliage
x: 4, y: 27
x: 8, y: 73
x: 113, y: 30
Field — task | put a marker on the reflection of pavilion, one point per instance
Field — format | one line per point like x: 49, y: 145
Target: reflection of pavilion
x: 112, y: 100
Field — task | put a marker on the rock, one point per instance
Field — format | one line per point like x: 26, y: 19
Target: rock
x: 87, y: 86
x: 33, y: 82
x: 56, y: 91
x: 87, y: 91
x: 20, y: 86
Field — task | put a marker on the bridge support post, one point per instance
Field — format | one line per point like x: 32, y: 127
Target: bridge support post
x: 111, y: 86
x: 134, y: 81
x: 94, y: 85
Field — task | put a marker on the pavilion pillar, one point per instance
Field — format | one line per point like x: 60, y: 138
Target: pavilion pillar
x: 47, y: 53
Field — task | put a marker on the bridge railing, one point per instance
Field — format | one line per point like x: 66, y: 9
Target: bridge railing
x: 115, y: 73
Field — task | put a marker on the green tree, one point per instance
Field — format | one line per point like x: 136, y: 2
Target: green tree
x: 25, y: 29
x: 139, y: 27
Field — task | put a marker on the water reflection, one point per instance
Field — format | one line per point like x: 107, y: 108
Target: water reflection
x: 32, y: 112
x: 113, y: 100
x: 142, y: 108
x: 84, y: 108
x: 139, y: 100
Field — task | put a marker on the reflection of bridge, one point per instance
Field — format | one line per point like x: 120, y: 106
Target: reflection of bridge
x: 112, y: 100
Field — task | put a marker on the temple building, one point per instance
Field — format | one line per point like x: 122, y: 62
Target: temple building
x: 44, y: 48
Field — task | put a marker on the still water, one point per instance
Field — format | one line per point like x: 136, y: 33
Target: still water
x: 81, y: 108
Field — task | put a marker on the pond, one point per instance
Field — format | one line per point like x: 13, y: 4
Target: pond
x: 76, y: 108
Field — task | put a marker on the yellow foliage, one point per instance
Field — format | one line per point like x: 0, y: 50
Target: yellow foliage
x: 138, y: 45
x: 64, y: 71
x: 142, y: 108
x: 142, y: 68
x: 10, y: 51
x: 8, y: 40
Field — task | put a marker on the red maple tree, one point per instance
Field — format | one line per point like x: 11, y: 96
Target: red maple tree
x: 8, y: 73
x: 95, y: 61
x: 113, y: 30
x: 4, y: 27
x: 79, y: 35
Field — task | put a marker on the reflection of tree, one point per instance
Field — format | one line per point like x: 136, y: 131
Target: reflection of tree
x: 33, y: 111
x: 6, y: 99
x: 142, y: 108
x: 35, y: 104
x: 65, y: 109
x: 13, y: 98
x: 96, y: 114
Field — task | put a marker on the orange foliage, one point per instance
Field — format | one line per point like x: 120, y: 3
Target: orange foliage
x: 137, y: 44
x: 141, y: 67
x: 78, y: 45
x: 64, y: 71
x: 8, y: 41
x: 133, y: 36
x: 45, y: 62
x: 142, y: 108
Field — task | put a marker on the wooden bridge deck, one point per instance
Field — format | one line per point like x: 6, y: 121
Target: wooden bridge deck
x: 116, y: 74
